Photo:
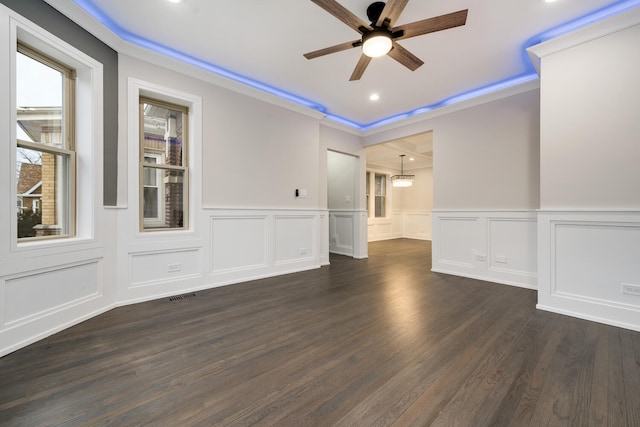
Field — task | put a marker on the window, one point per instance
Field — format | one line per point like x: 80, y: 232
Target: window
x: 367, y: 191
x: 380, y: 198
x: 45, y: 152
x: 163, y: 166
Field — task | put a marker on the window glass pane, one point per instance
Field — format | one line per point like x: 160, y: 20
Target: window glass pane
x: 39, y: 95
x: 44, y: 192
x: 163, y: 133
x: 380, y: 185
x: 151, y: 202
x: 380, y: 211
x: 163, y: 204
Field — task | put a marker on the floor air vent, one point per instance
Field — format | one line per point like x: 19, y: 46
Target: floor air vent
x: 181, y: 297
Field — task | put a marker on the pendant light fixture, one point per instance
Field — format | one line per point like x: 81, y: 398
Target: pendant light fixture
x: 402, y: 180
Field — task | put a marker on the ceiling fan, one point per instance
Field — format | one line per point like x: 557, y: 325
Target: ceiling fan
x: 379, y: 38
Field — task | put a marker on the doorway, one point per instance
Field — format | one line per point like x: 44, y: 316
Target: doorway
x: 343, y: 202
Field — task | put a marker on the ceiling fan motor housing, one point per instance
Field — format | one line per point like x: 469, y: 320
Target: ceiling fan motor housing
x: 375, y: 10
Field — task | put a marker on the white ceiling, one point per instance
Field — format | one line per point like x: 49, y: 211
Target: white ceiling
x: 265, y: 40
x: 418, y: 151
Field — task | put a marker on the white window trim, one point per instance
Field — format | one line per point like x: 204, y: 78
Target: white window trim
x: 135, y: 89
x: 88, y: 131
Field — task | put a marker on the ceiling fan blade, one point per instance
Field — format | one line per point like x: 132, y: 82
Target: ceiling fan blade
x: 360, y: 67
x: 431, y: 25
x: 332, y: 49
x: 392, y: 11
x: 343, y: 14
x: 405, y: 57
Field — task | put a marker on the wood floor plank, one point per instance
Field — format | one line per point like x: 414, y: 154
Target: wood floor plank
x: 377, y: 342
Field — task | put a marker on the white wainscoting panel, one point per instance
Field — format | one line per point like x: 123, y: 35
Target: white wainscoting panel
x: 497, y: 246
x: 416, y: 225
x: 342, y: 232
x: 506, y: 253
x: 248, y: 244
x: 380, y: 229
x: 295, y: 238
x: 401, y: 224
x: 238, y: 243
x: 585, y: 258
x: 39, y: 293
x: 158, y: 267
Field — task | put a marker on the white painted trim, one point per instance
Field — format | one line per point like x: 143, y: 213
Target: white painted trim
x: 136, y: 88
x: 484, y: 278
x: 89, y: 135
x: 583, y: 35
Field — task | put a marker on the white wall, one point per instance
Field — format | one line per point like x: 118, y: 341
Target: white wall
x: 589, y: 225
x: 486, y: 157
x: 265, y: 150
x: 418, y: 197
x: 590, y: 115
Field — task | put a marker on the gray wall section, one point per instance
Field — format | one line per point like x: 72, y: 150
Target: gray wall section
x: 56, y: 23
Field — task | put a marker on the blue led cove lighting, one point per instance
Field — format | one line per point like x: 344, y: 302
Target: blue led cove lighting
x: 530, y: 75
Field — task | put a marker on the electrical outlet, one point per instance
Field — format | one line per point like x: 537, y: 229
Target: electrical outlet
x: 502, y: 259
x: 630, y: 289
x: 478, y: 256
x: 172, y: 268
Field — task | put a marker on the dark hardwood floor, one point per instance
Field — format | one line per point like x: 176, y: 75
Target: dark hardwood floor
x: 373, y: 342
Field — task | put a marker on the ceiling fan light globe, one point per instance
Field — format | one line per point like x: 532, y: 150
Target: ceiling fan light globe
x: 376, y: 44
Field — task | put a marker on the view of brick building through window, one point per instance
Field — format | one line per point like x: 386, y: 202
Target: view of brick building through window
x: 164, y: 171
x: 37, y: 185
x: 45, y: 158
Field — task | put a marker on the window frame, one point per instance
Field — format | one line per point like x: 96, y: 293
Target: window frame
x: 147, y: 225
x: 68, y: 149
x: 383, y: 196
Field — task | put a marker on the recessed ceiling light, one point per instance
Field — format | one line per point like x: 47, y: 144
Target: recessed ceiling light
x: 175, y: 1
x: 411, y: 159
x: 549, y: 1
x: 374, y: 97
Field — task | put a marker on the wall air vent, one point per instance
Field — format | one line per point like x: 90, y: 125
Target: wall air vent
x: 181, y: 297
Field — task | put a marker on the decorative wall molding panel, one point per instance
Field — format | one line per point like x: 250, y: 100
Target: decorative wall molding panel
x: 238, y: 243
x: 347, y: 234
x: 39, y: 302
x: 416, y: 225
x: 497, y: 246
x: 247, y: 244
x: 342, y: 232
x: 152, y: 268
x: 380, y: 229
x: 401, y: 224
x: 29, y: 295
x: 589, y: 265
